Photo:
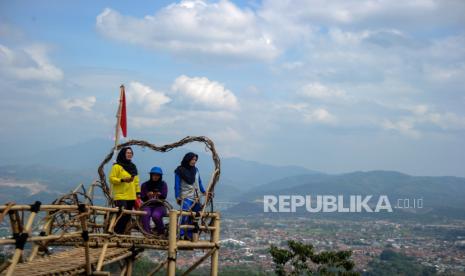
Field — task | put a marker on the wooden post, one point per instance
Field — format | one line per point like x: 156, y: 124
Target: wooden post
x: 215, y: 238
x: 172, y: 243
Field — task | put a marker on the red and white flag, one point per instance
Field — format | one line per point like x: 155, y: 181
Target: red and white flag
x: 123, y: 120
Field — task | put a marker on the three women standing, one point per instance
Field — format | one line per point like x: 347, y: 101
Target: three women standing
x: 124, y: 181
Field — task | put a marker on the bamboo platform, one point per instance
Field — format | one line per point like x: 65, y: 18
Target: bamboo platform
x: 89, y: 252
x: 69, y: 262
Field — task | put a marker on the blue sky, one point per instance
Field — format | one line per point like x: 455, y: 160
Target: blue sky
x: 334, y: 86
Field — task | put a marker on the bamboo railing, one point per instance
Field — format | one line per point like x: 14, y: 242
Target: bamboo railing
x: 99, y: 249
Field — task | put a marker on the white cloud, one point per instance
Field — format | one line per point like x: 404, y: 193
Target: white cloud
x: 144, y: 96
x: 424, y: 114
x: 144, y: 122
x: 30, y: 63
x: 319, y: 91
x: 311, y: 115
x: 419, y: 109
x: 221, y: 29
x: 205, y: 92
x: 319, y: 115
x: 405, y: 126
x: 85, y: 104
x: 227, y: 135
x: 292, y: 65
x: 422, y: 118
x: 447, y: 120
x: 427, y: 13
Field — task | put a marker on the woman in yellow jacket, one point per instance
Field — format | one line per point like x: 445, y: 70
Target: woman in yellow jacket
x: 124, y: 185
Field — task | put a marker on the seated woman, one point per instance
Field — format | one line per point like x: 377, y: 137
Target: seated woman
x: 154, y: 188
x: 188, y: 188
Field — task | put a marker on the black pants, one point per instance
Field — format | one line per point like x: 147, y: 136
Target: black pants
x: 123, y: 221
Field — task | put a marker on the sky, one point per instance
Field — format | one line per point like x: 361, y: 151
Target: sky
x: 333, y: 86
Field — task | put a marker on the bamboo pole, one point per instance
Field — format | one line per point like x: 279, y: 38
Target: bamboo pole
x: 50, y: 207
x: 4, y: 265
x: 215, y: 238
x: 34, y: 251
x: 172, y: 243
x: 77, y: 188
x: 45, y: 229
x: 101, y: 273
x: 105, y: 245
x: 99, y: 208
x: 85, y: 237
x: 157, y: 268
x: 129, y: 264
x: 201, y: 227
x: 19, y: 251
x: 45, y: 238
x: 119, y: 258
x: 115, y: 210
x: 102, y: 256
x: 123, y: 271
x: 194, y: 245
x: 15, y: 222
x: 112, y: 223
x: 5, y: 211
x: 138, y: 240
x: 198, y: 262
x: 118, y: 120
x: 210, y: 189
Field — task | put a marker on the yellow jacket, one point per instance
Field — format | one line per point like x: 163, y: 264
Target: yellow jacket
x: 123, y: 190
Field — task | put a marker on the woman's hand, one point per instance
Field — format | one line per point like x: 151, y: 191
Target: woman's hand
x: 150, y: 194
x: 127, y: 179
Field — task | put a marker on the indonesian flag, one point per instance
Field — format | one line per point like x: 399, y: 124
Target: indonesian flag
x: 123, y: 121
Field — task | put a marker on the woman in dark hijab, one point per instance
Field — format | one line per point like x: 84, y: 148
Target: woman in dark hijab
x: 187, y: 188
x: 125, y: 188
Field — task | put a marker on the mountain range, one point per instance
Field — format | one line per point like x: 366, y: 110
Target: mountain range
x: 52, y: 172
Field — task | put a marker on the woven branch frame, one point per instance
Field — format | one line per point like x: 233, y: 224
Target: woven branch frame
x: 165, y: 148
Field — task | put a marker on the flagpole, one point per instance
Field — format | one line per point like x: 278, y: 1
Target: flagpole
x: 118, y: 120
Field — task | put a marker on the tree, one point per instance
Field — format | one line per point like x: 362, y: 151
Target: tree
x: 390, y: 262
x: 301, y: 259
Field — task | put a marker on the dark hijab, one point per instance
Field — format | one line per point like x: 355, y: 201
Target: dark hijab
x: 186, y: 171
x: 125, y: 163
x: 154, y: 185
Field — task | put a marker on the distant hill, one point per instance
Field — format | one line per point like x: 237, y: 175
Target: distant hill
x: 441, y: 195
x: 63, y: 168
x: 435, y: 190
